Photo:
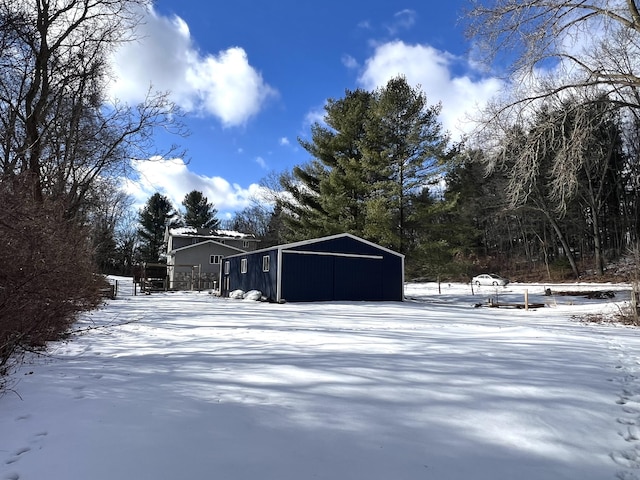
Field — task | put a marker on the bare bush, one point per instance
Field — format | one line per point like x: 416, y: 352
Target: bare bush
x: 46, y: 274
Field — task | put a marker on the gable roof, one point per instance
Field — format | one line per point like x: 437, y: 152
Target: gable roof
x: 200, y: 244
x: 302, y: 243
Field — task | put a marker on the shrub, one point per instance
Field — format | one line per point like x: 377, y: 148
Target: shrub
x: 46, y: 274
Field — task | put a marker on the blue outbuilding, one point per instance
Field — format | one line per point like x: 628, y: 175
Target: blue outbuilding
x: 338, y: 267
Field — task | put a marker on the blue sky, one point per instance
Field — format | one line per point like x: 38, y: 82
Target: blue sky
x: 253, y: 76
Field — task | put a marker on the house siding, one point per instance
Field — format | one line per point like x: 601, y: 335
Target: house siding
x: 189, y: 268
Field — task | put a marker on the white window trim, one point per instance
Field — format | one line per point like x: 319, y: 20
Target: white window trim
x: 227, y: 266
x: 217, y: 259
x: 243, y: 265
x: 266, y: 263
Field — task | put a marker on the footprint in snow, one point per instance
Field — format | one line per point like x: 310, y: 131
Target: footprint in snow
x: 626, y: 476
x: 78, y: 392
x: 632, y: 433
x: 628, y: 421
x: 11, y: 476
x: 17, y: 454
x: 627, y: 458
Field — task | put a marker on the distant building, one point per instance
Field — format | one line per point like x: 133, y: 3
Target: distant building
x: 338, y: 267
x: 194, y: 255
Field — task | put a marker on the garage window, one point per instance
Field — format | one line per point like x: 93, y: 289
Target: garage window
x: 265, y: 263
x: 226, y: 267
x: 215, y: 259
x: 243, y: 265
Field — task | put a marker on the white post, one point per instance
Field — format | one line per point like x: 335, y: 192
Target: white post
x: 526, y: 299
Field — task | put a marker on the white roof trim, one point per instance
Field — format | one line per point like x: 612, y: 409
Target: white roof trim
x: 199, y: 244
x: 302, y: 243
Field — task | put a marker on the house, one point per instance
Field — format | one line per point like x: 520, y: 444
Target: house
x: 337, y: 267
x: 194, y: 255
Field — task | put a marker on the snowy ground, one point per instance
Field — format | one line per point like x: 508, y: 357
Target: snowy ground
x: 189, y: 386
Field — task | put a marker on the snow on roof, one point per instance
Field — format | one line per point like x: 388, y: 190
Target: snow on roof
x: 207, y: 232
x: 183, y: 231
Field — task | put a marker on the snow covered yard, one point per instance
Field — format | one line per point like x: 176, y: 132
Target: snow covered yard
x: 186, y: 385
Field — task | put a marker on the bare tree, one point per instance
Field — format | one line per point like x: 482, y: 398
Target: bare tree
x: 586, y: 44
x: 559, y: 51
x: 56, y: 125
x: 569, y: 153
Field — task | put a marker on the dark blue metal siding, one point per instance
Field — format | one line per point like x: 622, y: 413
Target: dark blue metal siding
x: 358, y: 278
x: 254, y: 278
x: 307, y: 278
x: 341, y: 245
x: 392, y: 266
x: 393, y: 278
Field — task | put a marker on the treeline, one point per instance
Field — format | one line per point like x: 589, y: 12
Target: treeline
x: 555, y: 197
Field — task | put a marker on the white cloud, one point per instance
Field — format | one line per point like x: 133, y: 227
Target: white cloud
x: 224, y: 84
x: 262, y: 162
x: 284, y: 141
x: 402, y: 20
x: 432, y: 70
x: 173, y: 179
x: 315, y: 116
x: 349, y: 62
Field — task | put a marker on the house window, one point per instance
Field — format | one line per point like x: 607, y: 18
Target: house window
x: 215, y: 259
x: 243, y: 265
x: 265, y: 263
x: 245, y: 244
x: 226, y: 267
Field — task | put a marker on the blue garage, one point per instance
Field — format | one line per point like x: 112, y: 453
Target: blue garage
x: 338, y: 267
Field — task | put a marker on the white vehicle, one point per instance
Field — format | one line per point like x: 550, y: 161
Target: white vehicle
x: 489, y: 279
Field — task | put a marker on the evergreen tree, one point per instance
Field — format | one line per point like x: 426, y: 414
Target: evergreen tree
x: 375, y: 150
x: 157, y: 214
x: 406, y: 146
x: 199, y: 212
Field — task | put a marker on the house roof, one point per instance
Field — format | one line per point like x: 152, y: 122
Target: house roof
x: 200, y: 244
x: 302, y: 243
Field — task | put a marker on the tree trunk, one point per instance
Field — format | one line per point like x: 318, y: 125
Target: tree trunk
x: 565, y: 245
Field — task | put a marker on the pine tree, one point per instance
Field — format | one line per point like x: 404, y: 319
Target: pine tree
x: 157, y: 214
x: 199, y: 212
x: 374, y: 151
